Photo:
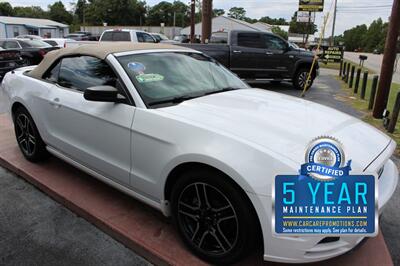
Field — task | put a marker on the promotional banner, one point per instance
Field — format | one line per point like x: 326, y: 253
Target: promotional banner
x: 324, y: 197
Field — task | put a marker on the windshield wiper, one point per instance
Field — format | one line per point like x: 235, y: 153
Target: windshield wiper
x: 178, y: 99
x: 221, y: 90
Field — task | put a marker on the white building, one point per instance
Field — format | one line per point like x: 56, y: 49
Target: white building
x: 226, y: 24
x: 13, y: 26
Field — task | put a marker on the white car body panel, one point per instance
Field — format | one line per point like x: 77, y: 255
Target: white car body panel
x: 251, y: 135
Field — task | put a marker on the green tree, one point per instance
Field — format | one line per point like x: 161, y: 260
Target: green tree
x: 274, y: 21
x: 237, y: 13
x: 218, y: 12
x: 115, y: 12
x: 354, y: 38
x: 57, y: 12
x: 80, y: 10
x: 374, y: 36
x: 30, y: 12
x: 301, y: 27
x: 6, y: 9
x: 278, y: 31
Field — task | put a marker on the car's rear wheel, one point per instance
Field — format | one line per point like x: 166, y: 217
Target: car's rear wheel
x: 301, y: 78
x: 28, y: 137
x: 213, y: 216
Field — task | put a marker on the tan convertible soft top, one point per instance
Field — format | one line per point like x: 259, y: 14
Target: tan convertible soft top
x: 99, y: 50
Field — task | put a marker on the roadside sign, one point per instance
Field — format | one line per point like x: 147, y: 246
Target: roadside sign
x: 303, y: 16
x: 333, y: 54
x: 311, y: 5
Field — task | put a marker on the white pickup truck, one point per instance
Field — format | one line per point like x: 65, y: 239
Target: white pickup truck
x: 118, y: 35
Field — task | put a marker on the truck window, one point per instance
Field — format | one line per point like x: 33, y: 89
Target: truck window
x: 144, y: 37
x: 107, y: 36
x: 121, y: 36
x: 274, y: 43
x: 253, y: 40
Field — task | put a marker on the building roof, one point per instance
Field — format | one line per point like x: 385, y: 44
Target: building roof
x: 32, y: 22
x: 223, y: 23
x: 99, y: 50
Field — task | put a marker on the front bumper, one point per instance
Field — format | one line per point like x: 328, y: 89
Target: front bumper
x: 308, y: 248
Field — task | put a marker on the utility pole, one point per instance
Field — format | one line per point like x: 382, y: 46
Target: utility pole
x: 389, y: 58
x: 174, y: 23
x: 206, y: 21
x: 192, y: 18
x: 334, y: 24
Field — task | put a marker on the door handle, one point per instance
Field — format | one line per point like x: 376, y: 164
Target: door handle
x: 237, y: 51
x: 55, y: 103
x: 269, y: 53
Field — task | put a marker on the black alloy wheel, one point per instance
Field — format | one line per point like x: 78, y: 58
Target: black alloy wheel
x: 28, y: 138
x: 213, y: 217
x: 301, y: 79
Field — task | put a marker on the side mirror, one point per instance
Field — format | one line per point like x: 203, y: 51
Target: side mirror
x: 103, y: 94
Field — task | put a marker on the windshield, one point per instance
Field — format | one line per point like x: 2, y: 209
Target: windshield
x: 163, y: 77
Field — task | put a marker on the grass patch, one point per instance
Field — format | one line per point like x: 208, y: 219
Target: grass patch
x: 362, y: 105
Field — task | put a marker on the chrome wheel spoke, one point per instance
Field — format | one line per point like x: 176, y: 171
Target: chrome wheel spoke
x: 189, y: 211
x: 221, y: 239
x: 202, y: 195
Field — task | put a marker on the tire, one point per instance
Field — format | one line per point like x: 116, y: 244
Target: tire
x: 219, y: 224
x: 28, y: 138
x: 301, y: 77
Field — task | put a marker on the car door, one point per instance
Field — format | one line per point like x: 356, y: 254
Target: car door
x: 278, y: 61
x: 95, y: 134
x: 248, y: 56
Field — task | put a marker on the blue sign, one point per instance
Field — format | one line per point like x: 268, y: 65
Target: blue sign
x: 344, y: 206
x: 324, y: 198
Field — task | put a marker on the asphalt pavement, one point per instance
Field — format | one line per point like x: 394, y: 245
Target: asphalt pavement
x: 36, y: 230
x: 374, y: 62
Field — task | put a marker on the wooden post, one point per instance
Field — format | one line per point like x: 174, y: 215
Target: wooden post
x: 357, y: 80
x: 373, y: 92
x: 344, y: 71
x: 389, y: 57
x: 340, y: 68
x: 364, y: 85
x: 353, y: 68
x: 395, y: 114
x: 347, y: 73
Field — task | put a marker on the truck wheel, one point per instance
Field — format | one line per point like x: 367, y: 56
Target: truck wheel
x: 213, y: 217
x: 300, y: 79
x: 28, y: 137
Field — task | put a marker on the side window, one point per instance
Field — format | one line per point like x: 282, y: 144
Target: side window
x: 148, y: 38
x: 253, y: 40
x: 140, y: 36
x: 11, y: 45
x: 107, y: 36
x: 82, y: 72
x: 121, y: 36
x: 274, y: 43
x: 52, y: 75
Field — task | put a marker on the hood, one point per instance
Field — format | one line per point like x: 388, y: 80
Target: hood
x: 283, y: 124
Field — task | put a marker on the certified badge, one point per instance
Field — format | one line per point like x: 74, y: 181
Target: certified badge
x: 323, y: 198
x: 325, y: 160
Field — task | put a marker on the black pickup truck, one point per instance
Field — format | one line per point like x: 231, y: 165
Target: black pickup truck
x: 256, y: 55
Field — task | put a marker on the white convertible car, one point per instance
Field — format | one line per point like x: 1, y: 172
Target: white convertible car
x: 176, y: 130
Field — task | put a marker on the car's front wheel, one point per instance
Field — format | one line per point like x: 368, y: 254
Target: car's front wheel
x: 301, y: 79
x: 28, y: 137
x: 213, y: 216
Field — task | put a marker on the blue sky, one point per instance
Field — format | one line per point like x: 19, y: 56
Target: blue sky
x: 353, y: 12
